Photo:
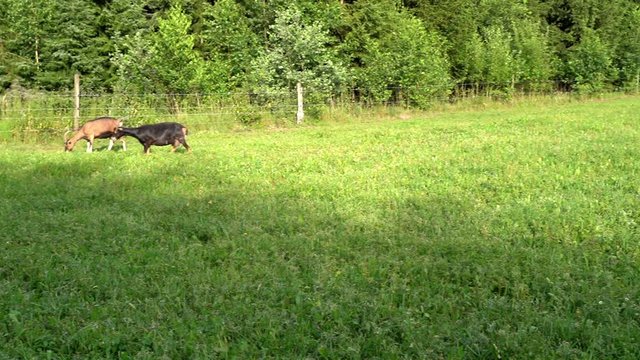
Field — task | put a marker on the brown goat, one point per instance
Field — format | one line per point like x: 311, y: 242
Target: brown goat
x: 100, y: 128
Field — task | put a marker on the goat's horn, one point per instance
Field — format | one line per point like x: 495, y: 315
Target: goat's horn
x: 65, y: 135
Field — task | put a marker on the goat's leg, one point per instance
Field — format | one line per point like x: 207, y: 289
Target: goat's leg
x: 90, y: 144
x: 147, y: 147
x: 186, y: 146
x: 175, y: 145
x: 111, y: 141
x: 124, y: 144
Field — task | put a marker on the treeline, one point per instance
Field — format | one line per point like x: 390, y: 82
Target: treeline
x: 373, y: 50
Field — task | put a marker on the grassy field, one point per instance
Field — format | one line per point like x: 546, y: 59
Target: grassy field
x: 506, y: 232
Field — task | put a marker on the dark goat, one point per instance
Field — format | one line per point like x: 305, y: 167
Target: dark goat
x: 168, y: 133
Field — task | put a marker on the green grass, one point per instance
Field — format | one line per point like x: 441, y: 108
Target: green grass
x: 507, y: 232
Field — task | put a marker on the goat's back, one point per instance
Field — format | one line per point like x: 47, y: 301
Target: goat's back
x: 158, y: 134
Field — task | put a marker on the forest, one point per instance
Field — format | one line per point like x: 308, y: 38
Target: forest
x: 370, y: 49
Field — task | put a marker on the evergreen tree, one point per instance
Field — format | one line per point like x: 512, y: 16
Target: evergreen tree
x: 166, y: 61
x: 460, y: 29
x: 227, y: 38
x: 472, y: 70
x: 581, y: 29
x: 262, y: 14
x: 48, y: 41
x: 394, y: 49
x: 177, y: 67
x: 126, y: 17
x: 132, y: 60
x: 74, y: 43
x: 23, y: 25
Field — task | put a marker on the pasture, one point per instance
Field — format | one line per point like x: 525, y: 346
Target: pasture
x: 510, y: 231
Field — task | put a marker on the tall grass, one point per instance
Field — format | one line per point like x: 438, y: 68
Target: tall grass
x: 35, y: 117
x: 506, y: 232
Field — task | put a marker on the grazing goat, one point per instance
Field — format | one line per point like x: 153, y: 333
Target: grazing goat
x: 168, y: 133
x: 100, y: 128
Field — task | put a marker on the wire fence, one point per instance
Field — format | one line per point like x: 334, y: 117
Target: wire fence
x: 25, y: 113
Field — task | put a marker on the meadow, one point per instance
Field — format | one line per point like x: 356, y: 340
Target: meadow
x: 504, y: 231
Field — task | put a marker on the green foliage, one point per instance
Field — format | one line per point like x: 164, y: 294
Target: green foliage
x: 262, y: 14
x: 178, y: 68
x: 23, y: 28
x: 508, y: 48
x: 401, y: 51
x: 589, y: 64
x: 394, y: 56
x: 627, y: 57
x: 459, y: 27
x: 536, y: 64
x: 298, y: 52
x: 475, y: 64
x: 125, y: 17
x: 227, y: 40
x: 132, y: 60
x: 166, y: 61
x: 46, y: 44
x: 504, y: 233
x: 501, y: 69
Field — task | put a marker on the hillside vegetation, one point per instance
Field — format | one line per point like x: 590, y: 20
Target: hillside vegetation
x: 371, y: 50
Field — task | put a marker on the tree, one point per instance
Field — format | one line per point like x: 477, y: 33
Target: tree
x: 74, y: 43
x: 23, y: 28
x: 166, y: 61
x: 473, y: 69
x: 459, y: 27
x: 393, y: 56
x: 390, y: 50
x: 589, y: 64
x: 261, y: 14
x: 500, y: 63
x: 132, y: 60
x: 627, y: 56
x: 45, y: 43
x: 298, y: 56
x: 226, y: 37
x: 178, y: 68
x: 126, y: 17
x: 535, y: 60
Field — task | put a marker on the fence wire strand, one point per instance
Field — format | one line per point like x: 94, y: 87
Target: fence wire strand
x: 47, y: 112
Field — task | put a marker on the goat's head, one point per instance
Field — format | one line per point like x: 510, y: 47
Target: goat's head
x: 68, y: 145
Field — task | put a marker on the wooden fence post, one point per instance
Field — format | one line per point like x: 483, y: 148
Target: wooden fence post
x: 300, y: 113
x: 76, y: 96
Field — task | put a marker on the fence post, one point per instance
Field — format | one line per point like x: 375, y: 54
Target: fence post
x: 76, y: 96
x: 300, y: 113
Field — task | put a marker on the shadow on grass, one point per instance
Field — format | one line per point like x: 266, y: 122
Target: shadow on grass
x: 101, y: 262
